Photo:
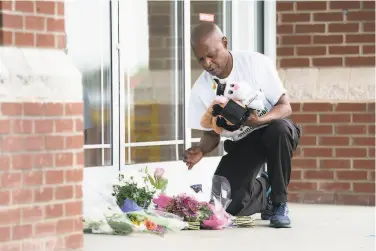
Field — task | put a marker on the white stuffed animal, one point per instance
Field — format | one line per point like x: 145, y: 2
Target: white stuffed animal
x: 244, y: 93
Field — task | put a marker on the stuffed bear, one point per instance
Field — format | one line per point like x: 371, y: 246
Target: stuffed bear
x: 243, y: 99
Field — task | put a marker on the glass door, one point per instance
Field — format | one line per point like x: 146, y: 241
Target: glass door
x: 151, y: 81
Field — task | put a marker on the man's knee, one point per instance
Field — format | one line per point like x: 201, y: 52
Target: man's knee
x: 278, y: 128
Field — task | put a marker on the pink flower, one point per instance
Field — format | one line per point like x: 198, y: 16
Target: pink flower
x: 162, y: 201
x: 158, y: 173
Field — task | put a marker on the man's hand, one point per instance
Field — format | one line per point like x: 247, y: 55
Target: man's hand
x: 192, y: 156
x: 253, y: 120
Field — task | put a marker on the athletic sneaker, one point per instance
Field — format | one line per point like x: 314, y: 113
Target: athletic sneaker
x: 268, y: 212
x: 280, y: 219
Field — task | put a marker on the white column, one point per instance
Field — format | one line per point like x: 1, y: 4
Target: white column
x: 270, y: 29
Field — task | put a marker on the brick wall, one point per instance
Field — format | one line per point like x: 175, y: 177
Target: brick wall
x: 41, y: 132
x: 32, y: 24
x: 335, y: 162
x: 325, y: 33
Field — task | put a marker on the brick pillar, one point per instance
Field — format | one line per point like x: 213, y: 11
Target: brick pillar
x: 41, y: 132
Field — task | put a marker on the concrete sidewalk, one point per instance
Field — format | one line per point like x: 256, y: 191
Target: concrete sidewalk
x: 314, y: 227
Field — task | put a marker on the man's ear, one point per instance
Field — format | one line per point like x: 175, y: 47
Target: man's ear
x: 225, y: 42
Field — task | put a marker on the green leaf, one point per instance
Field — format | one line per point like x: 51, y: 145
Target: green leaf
x: 151, y: 180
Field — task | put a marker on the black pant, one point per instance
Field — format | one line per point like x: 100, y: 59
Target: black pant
x: 274, y: 145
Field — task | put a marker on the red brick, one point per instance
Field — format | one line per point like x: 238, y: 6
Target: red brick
x: 73, y: 208
x: 294, y: 62
x: 361, y: 16
x: 307, y: 141
x: 12, y: 21
x: 327, y: 16
x: 319, y: 175
x: 371, y: 129
x: 5, y: 127
x: 45, y: 40
x: 4, y: 199
x: 360, y: 38
x: 11, y: 109
x: 54, y: 211
x: 60, y: 8
x: 285, y: 51
x: 45, y: 229
x: 285, y: 6
x: 327, y: 39
x: 340, y: 50
x: 352, y: 175
x: 335, y: 118
x: 45, y: 7
x: 78, y: 192
x: 24, y: 6
x: 10, y: 216
x: 296, y: 174
x: 333, y: 141
x: 78, y: 125
x: 296, y: 39
x: 4, y: 162
x: 5, y: 233
x: 302, y: 186
x: 304, y: 118
x: 65, y: 226
x: 310, y: 28
x: 54, y: 142
x: 318, y: 152
x: 318, y: 197
x: 295, y: 17
x: 80, y: 158
x: 368, y: 49
x: 351, y: 152
x: 343, y: 27
x: 34, y: 143
x: 32, y: 214
x: 311, y: 5
x: 35, y: 23
x: 7, y: 38
x: 310, y: 50
x: 285, y: 28
x: 335, y: 163
x: 371, y: 152
x: 33, y: 178
x: 64, y: 193
x: 33, y: 109
x: 369, y: 5
x: 64, y: 125
x: 43, y: 160
x: 54, y: 177
x: 73, y: 109
x: 363, y: 141
x: 22, y: 196
x: 55, y: 25
x: 44, y: 126
x: 304, y: 163
x: 360, y: 61
x: 6, y: 5
x: 64, y: 159
x: 60, y: 41
x: 344, y: 5
x: 351, y: 107
x: 364, y: 164
x: 53, y: 109
x: 350, y: 129
x: 22, y: 161
x: 22, y: 232
x: 22, y: 126
x: 329, y: 61
x: 317, y: 107
x: 364, y: 187
x: 370, y: 27
x: 296, y: 107
x: 371, y: 176
x: 353, y: 199
x: 73, y: 142
x: 317, y: 129
x: 75, y: 175
x: 334, y: 186
x: 371, y: 107
x: 24, y: 39
x: 12, y: 144
x: 43, y: 194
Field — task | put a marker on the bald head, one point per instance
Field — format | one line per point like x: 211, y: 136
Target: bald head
x: 204, y: 31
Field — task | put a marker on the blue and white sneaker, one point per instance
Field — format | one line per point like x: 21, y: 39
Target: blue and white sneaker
x: 280, y: 219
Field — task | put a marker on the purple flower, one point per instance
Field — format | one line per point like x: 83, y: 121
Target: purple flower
x: 158, y: 173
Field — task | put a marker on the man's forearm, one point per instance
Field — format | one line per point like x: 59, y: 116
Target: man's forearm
x: 209, y: 141
x: 280, y: 111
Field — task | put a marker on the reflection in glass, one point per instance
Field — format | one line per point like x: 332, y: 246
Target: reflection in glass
x: 151, y: 39
x: 88, y: 31
x: 147, y: 154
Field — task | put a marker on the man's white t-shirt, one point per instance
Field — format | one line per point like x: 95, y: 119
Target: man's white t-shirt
x: 252, y: 67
